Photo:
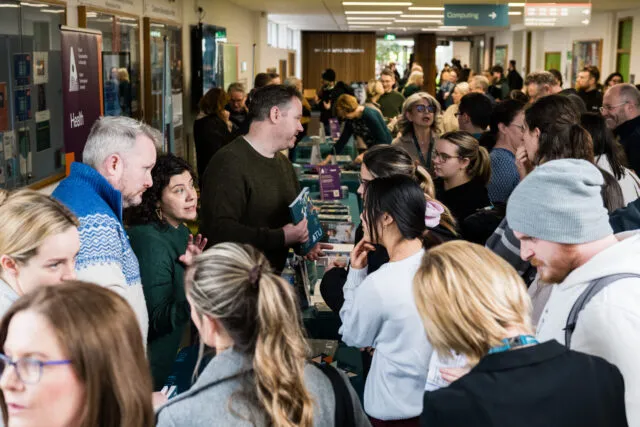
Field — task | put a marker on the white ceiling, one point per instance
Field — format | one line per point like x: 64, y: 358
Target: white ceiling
x: 328, y: 15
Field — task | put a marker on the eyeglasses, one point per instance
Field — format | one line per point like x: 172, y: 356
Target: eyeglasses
x: 422, y: 108
x: 443, y: 156
x: 29, y: 370
x: 611, y: 107
x: 363, y: 182
x: 458, y: 114
x: 521, y: 127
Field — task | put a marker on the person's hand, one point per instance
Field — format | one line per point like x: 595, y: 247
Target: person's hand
x: 446, y: 95
x: 359, y: 254
x: 369, y: 350
x: 194, y: 248
x: 359, y: 159
x: 297, y: 233
x: 158, y: 399
x: 316, y: 251
x: 452, y: 374
x: 327, y: 105
x: 326, y: 160
x: 523, y: 164
x: 337, y: 263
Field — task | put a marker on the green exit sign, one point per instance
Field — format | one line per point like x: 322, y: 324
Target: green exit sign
x: 390, y: 37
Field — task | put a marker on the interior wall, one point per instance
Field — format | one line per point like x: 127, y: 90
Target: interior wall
x: 425, y: 55
x: 349, y: 66
x: 635, y: 41
x: 462, y: 51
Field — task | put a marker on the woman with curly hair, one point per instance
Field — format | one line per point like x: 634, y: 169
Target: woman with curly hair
x: 164, y: 246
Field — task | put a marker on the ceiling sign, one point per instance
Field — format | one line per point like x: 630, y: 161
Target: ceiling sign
x: 557, y: 14
x: 476, y: 15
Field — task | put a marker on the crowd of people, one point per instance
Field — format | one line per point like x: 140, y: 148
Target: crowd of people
x: 493, y: 279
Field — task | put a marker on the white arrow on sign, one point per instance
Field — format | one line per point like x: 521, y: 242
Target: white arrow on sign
x: 493, y: 15
x: 586, y: 11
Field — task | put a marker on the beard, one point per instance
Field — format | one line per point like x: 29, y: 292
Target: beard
x: 555, y: 271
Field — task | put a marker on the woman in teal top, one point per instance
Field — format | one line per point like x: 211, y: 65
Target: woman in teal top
x: 164, y: 247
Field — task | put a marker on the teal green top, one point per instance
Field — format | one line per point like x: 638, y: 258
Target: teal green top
x: 391, y: 104
x: 410, y: 90
x: 158, y: 248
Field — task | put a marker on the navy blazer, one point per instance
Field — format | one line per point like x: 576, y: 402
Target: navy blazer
x: 546, y: 385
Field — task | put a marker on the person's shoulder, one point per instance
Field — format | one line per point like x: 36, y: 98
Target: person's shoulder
x: 448, y: 406
x: 402, y: 140
x: 232, y: 154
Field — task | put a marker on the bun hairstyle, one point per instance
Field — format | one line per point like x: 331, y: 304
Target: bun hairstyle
x: 235, y: 285
x: 27, y: 219
x: 469, y: 148
x: 387, y: 160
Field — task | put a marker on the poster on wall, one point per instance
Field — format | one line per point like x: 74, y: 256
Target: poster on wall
x: 40, y: 67
x: 22, y: 68
x: 81, y: 86
x: 585, y: 53
x: 4, y: 107
x: 501, y: 54
x: 23, y: 104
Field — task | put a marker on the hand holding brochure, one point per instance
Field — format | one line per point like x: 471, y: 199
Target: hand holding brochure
x: 300, y: 209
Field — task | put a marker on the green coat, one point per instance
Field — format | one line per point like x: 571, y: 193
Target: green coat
x: 158, y: 249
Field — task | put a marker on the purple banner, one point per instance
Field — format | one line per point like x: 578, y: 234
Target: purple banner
x: 81, y: 87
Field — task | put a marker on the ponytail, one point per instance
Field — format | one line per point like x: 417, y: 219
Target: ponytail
x: 423, y: 178
x: 565, y: 142
x: 480, y: 166
x: 280, y: 355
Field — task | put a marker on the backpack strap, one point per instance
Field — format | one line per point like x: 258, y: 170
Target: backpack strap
x: 591, y: 290
x: 344, y: 416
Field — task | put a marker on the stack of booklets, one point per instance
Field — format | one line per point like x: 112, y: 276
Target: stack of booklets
x: 335, y: 220
x: 302, y: 208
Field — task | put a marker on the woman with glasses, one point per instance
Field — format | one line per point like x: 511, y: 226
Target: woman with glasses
x: 259, y: 376
x: 73, y: 357
x: 419, y: 124
x: 39, y: 242
x: 463, y: 169
x: 364, y: 123
x: 506, y: 129
x: 474, y: 303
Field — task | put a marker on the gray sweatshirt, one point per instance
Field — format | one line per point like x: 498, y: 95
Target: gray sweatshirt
x: 216, y: 390
x: 7, y: 297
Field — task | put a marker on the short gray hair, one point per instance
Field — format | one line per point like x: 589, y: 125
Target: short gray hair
x: 541, y: 78
x: 628, y: 93
x: 110, y: 135
x: 479, y: 81
x: 292, y: 81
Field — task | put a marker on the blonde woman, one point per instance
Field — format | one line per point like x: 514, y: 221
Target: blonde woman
x: 39, y: 241
x: 463, y: 169
x: 419, y: 123
x: 449, y: 118
x: 473, y: 302
x: 72, y: 356
x: 259, y: 375
x: 414, y: 83
x: 374, y: 92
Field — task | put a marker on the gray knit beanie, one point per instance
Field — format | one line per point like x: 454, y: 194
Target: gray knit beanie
x: 561, y: 202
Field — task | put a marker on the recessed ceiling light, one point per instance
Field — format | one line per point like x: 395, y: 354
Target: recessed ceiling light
x: 373, y: 3
x: 439, y: 29
x: 369, y: 22
x: 515, y: 13
x: 376, y: 12
x: 426, y: 8
x: 517, y: 4
x: 369, y: 18
x: 420, y: 21
x: 52, y: 10
x: 421, y: 16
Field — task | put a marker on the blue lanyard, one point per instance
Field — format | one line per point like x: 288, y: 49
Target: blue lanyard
x: 514, y: 342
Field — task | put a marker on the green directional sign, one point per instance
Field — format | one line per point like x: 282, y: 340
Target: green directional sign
x: 390, y: 37
x: 476, y: 15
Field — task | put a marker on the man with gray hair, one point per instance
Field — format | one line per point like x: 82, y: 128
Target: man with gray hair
x: 480, y: 84
x: 117, y: 161
x: 621, y: 110
x: 557, y: 213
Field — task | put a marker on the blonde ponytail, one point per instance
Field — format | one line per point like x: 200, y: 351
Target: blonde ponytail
x: 480, y: 167
x: 234, y: 284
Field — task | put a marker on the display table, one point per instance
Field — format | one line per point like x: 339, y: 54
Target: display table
x: 302, y: 150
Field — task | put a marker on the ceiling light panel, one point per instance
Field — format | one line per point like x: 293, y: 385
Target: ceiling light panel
x: 373, y: 12
x: 373, y: 3
x: 426, y: 8
x: 421, y: 16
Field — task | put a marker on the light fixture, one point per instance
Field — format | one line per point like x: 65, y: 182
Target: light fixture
x: 359, y: 26
x: 52, y: 10
x: 421, y: 16
x: 126, y: 18
x: 8, y: 5
x: 515, y: 13
x: 440, y: 29
x: 420, y: 21
x: 369, y: 18
x: 373, y: 3
x: 26, y: 3
x: 426, y: 8
x: 517, y: 4
x: 369, y: 22
x: 153, y: 24
x: 377, y: 12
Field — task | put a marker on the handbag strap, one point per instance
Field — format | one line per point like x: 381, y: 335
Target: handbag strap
x: 344, y: 416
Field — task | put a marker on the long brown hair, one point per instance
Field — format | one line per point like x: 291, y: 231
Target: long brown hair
x: 213, y: 102
x: 469, y: 148
x: 235, y: 285
x: 100, y: 334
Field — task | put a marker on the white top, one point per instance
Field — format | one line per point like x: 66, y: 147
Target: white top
x: 630, y: 183
x: 379, y: 311
x: 609, y: 325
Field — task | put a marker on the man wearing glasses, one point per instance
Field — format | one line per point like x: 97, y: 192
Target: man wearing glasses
x: 621, y: 110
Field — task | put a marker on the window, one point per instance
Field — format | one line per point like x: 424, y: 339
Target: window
x: 623, y: 54
x: 272, y: 34
x: 290, y: 39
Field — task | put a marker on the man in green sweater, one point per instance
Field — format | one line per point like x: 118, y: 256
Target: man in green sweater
x: 249, y: 184
x: 390, y: 101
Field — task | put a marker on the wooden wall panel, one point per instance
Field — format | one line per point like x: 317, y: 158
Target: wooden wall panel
x: 351, y: 55
x: 425, y: 55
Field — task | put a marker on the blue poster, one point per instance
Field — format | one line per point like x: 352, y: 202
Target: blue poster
x: 22, y: 68
x: 23, y: 104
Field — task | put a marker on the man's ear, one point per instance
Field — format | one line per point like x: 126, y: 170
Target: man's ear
x: 112, y: 164
x: 275, y: 114
x: 9, y: 265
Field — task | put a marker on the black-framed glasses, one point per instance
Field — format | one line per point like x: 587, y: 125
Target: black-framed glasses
x: 443, y: 156
x: 421, y: 108
x: 28, y: 369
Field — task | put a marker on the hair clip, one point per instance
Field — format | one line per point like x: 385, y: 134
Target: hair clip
x: 255, y: 274
x: 432, y: 214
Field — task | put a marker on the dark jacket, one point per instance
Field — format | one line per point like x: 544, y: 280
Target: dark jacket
x: 543, y: 385
x: 592, y: 99
x: 628, y: 134
x: 464, y: 199
x: 515, y: 80
x: 210, y: 134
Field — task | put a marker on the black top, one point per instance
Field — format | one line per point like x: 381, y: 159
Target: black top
x: 592, y: 99
x: 515, y: 80
x: 464, y: 199
x: 240, y: 119
x: 210, y: 133
x: 546, y: 385
x: 628, y: 134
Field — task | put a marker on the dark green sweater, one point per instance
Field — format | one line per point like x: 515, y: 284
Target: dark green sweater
x: 391, y: 104
x: 246, y: 199
x: 377, y: 132
x: 158, y: 249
